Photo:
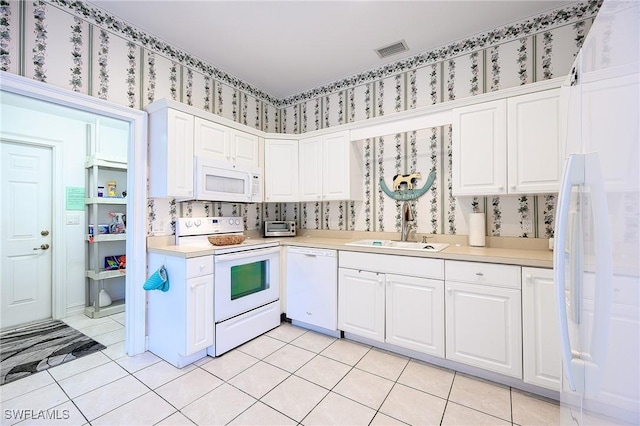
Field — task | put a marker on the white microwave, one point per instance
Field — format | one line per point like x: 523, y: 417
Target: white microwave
x: 216, y: 180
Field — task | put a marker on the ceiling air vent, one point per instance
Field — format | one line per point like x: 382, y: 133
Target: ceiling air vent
x: 392, y: 49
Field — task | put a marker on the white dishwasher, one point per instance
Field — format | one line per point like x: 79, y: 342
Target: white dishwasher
x: 312, y: 286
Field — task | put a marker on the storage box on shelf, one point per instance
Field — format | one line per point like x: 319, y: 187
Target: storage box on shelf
x: 106, y: 249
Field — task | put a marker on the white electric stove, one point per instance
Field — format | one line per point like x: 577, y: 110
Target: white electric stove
x: 194, y: 232
x: 246, y: 280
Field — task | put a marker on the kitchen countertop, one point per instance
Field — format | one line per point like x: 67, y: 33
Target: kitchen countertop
x: 508, y: 256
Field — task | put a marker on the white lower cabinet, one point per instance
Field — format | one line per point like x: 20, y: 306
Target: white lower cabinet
x: 180, y: 321
x: 415, y: 313
x: 361, y: 303
x: 542, y: 358
x: 199, y: 327
x: 388, y: 307
x: 483, y: 316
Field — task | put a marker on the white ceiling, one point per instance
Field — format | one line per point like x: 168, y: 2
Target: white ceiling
x: 287, y: 47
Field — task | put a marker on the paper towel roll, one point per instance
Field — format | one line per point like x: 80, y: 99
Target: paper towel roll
x: 476, y: 229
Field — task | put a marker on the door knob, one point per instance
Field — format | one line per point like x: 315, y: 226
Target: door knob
x: 42, y: 247
x: 44, y: 233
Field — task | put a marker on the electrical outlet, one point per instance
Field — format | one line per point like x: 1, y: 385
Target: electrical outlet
x: 158, y: 227
x: 527, y: 225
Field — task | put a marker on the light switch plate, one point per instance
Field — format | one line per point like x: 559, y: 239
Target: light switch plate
x: 73, y: 219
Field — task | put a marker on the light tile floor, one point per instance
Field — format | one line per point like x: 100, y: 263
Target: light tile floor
x: 288, y: 376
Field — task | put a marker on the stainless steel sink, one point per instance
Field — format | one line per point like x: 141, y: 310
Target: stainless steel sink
x: 400, y: 245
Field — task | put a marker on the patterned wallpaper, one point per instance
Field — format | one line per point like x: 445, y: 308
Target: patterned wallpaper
x: 525, y: 52
x: 73, y: 45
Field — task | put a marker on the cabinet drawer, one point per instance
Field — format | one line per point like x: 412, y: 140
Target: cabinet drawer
x: 483, y: 273
x: 390, y: 264
x: 198, y: 266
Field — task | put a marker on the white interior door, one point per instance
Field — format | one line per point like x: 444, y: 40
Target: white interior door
x: 25, y: 233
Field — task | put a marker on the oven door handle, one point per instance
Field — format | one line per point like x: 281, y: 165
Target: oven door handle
x: 230, y: 257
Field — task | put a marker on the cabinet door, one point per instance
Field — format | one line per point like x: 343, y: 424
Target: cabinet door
x: 361, y: 303
x: 244, y: 148
x: 479, y: 149
x: 179, y: 154
x: 281, y: 170
x: 483, y: 327
x: 199, y: 324
x: 415, y: 314
x: 335, y: 167
x: 540, y: 337
x: 310, y: 169
x: 211, y: 139
x: 534, y: 148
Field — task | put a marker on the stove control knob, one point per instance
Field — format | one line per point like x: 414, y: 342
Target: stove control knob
x: 237, y: 221
x: 188, y: 224
x: 230, y: 221
x: 198, y: 222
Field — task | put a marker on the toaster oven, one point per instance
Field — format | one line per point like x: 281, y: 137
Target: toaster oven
x: 279, y: 228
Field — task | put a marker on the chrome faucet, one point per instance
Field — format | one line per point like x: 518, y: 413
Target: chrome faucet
x: 407, y: 221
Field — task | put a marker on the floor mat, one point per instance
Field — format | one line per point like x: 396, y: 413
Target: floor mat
x: 35, y: 348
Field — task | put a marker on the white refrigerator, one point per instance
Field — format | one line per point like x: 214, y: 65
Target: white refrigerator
x: 597, y: 230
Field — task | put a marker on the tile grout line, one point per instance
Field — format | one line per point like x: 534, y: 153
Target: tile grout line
x: 391, y: 390
x: 290, y: 342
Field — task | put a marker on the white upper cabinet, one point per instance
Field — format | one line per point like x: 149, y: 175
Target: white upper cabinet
x: 508, y: 146
x: 341, y: 168
x: 310, y: 169
x: 330, y: 168
x: 170, y: 154
x: 211, y: 139
x: 479, y: 149
x: 534, y: 149
x: 281, y: 170
x: 244, y: 148
x: 214, y: 140
x: 176, y: 135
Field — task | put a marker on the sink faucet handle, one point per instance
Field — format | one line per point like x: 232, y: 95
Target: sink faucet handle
x: 424, y: 238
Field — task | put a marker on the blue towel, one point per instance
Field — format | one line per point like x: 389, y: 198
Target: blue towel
x: 158, y: 281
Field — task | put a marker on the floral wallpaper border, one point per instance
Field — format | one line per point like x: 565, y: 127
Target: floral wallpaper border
x: 119, y: 26
x: 552, y: 19
x: 557, y: 17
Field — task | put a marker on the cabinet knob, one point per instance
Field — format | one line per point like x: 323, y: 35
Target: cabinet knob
x: 480, y: 274
x: 202, y: 267
x: 449, y: 290
x: 309, y: 313
x: 513, y: 187
x: 500, y: 188
x: 529, y: 277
